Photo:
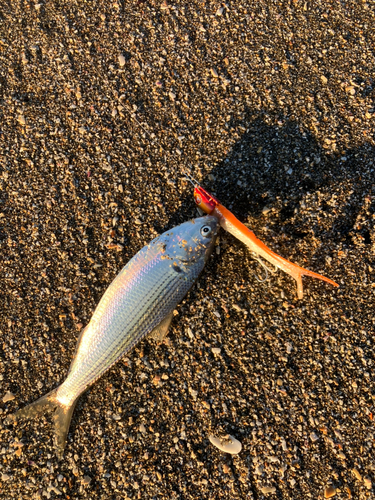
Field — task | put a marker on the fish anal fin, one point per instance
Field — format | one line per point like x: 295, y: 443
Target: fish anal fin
x: 160, y: 331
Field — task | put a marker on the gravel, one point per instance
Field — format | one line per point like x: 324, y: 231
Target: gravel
x: 269, y: 105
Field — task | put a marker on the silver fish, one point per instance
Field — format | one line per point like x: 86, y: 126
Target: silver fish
x: 139, y: 301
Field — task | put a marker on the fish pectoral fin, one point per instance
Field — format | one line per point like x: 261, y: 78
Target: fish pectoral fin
x: 161, y: 330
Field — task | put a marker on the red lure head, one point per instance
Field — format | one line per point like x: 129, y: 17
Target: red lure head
x: 204, y: 200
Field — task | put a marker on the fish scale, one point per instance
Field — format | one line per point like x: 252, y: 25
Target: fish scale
x: 141, y: 297
x: 146, y: 290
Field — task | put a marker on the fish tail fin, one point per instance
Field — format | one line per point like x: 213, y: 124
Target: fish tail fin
x: 62, y: 415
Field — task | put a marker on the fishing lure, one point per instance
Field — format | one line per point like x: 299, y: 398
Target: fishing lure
x: 212, y: 206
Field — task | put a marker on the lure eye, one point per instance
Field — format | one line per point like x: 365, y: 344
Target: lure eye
x: 206, y: 231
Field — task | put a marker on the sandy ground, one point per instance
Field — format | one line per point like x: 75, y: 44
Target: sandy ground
x: 271, y: 106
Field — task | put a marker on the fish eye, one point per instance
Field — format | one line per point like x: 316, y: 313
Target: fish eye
x: 206, y: 231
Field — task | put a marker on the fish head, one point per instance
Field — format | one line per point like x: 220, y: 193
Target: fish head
x: 204, y: 200
x: 192, y: 241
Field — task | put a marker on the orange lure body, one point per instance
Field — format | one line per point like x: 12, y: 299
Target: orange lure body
x: 230, y: 223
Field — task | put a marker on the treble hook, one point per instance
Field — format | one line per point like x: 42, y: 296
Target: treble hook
x: 265, y: 267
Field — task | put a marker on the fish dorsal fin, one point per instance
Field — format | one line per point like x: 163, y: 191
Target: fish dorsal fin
x: 160, y: 331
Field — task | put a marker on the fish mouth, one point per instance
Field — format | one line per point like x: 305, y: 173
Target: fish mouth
x: 210, y: 248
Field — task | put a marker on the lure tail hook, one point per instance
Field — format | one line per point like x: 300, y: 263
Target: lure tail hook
x: 265, y: 267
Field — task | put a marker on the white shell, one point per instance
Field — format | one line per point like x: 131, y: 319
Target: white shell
x: 227, y: 444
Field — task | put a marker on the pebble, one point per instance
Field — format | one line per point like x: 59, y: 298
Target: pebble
x: 368, y: 483
x: 216, y: 350
x: 259, y: 469
x: 5, y: 477
x: 86, y: 480
x: 330, y: 492
x: 268, y: 489
x: 214, y: 73
x: 121, y: 60
x: 229, y: 444
x: 54, y: 489
x: 8, y: 397
x: 357, y: 474
x: 21, y: 120
x: 226, y: 469
x: 314, y: 437
x: 193, y: 393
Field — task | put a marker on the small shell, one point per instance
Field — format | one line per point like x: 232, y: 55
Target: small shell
x: 8, y: 397
x: 228, y: 444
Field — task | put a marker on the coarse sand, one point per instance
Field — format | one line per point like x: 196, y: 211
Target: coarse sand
x: 270, y: 105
